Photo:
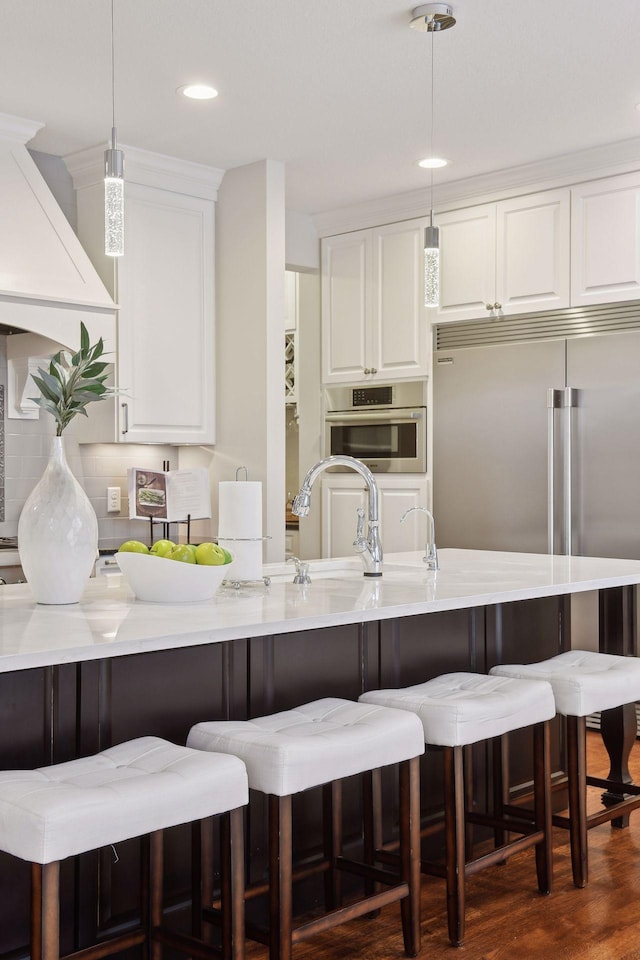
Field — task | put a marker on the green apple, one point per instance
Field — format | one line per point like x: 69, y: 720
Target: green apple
x: 162, y: 548
x: 192, y: 546
x: 182, y: 553
x: 227, y: 556
x: 210, y: 554
x: 133, y: 546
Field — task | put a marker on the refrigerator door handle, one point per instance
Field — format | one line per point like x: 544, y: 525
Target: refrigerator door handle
x: 569, y: 401
x: 554, y: 402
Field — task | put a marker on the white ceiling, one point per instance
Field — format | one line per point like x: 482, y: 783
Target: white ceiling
x: 338, y: 89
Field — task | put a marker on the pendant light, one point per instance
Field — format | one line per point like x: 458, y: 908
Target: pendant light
x: 113, y: 178
x: 432, y: 18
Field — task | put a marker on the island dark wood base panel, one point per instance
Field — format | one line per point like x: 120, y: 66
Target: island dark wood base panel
x: 56, y: 713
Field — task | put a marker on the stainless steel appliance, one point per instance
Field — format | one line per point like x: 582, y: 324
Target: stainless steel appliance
x: 537, y: 433
x: 383, y: 426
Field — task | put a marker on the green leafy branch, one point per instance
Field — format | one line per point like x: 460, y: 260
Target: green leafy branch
x: 73, y: 381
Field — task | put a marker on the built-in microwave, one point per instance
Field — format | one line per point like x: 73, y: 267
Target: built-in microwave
x: 383, y: 426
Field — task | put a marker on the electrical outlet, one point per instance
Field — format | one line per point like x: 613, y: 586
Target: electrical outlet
x: 113, y: 499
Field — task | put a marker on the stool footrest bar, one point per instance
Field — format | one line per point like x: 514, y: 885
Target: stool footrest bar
x: 359, y: 909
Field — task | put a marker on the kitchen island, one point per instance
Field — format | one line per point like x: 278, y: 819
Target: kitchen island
x: 75, y: 679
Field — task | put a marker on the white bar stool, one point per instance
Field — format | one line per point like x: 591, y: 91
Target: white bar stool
x: 585, y: 682
x: 460, y: 709
x: 321, y: 743
x: 130, y: 790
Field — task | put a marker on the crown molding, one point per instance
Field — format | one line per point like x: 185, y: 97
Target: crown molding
x: 562, y: 171
x: 151, y: 169
x: 18, y: 128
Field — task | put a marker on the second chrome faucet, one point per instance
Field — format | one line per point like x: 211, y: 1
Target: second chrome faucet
x: 430, y: 551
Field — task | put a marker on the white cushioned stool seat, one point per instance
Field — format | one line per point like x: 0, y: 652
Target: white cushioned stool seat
x: 313, y: 744
x: 126, y: 791
x: 582, y: 681
x: 457, y: 709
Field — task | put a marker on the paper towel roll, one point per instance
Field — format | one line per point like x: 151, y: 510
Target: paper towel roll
x: 240, y: 509
x: 247, y: 556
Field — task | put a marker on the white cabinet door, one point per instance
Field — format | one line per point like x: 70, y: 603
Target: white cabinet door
x: 396, y: 499
x: 166, y: 363
x: 505, y: 258
x: 533, y: 247
x: 164, y: 284
x: 467, y: 263
x: 374, y: 323
x: 400, y: 323
x: 346, y: 269
x: 342, y: 494
x: 605, y: 231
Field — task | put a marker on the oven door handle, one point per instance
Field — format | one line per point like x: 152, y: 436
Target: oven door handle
x: 342, y: 417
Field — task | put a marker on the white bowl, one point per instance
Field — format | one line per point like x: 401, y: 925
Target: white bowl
x: 160, y: 580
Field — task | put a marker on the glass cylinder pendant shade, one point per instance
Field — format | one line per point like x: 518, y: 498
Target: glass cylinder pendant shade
x: 114, y: 202
x: 431, y: 267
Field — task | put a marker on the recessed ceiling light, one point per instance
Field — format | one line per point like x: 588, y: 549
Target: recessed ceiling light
x: 198, y: 91
x: 432, y: 163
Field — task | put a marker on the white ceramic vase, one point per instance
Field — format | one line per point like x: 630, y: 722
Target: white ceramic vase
x: 57, y: 533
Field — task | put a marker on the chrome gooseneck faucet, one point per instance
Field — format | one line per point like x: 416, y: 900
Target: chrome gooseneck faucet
x: 369, y: 547
x: 430, y: 551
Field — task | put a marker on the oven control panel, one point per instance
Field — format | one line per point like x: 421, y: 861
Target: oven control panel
x: 372, y: 396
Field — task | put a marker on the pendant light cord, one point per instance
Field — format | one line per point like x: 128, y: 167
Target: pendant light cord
x: 113, y: 81
x: 432, y: 121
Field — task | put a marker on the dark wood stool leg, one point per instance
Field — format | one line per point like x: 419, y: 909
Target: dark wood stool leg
x: 280, y: 878
x: 48, y: 911
x: 500, y: 780
x: 372, y: 826
x: 202, y: 877
x: 332, y: 838
x: 409, y: 776
x: 234, y: 889
x: 577, y: 771
x: 467, y: 753
x: 454, y: 841
x: 156, y: 870
x: 225, y: 883
x: 542, y: 801
x: 36, y: 907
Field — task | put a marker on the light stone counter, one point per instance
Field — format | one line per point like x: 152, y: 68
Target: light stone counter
x: 110, y: 622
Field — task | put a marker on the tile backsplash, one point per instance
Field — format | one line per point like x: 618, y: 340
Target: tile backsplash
x: 97, y: 466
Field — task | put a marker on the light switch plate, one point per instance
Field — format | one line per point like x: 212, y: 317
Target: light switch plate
x: 113, y: 499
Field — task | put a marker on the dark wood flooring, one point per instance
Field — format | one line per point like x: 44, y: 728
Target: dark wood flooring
x: 507, y: 919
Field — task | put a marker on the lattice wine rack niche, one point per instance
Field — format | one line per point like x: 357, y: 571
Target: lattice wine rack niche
x: 290, y: 368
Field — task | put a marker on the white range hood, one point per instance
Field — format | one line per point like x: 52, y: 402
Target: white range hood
x: 47, y: 282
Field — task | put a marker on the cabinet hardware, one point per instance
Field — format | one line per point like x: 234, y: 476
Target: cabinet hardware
x: 125, y: 417
x: 367, y: 370
x: 373, y: 370
x: 497, y: 306
x: 488, y: 306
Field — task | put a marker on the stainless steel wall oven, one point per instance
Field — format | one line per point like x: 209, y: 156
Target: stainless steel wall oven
x: 383, y: 426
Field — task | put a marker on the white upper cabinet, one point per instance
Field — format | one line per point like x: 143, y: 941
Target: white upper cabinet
x: 505, y: 258
x: 606, y: 240
x: 165, y: 365
x: 374, y: 323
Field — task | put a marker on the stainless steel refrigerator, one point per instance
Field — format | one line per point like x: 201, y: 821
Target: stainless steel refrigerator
x: 536, y: 443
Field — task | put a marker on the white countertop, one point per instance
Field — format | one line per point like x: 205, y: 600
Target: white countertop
x: 110, y: 622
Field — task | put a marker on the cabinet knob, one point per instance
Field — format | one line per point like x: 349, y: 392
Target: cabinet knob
x: 497, y: 306
x: 373, y: 370
x: 367, y: 370
x: 488, y: 306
